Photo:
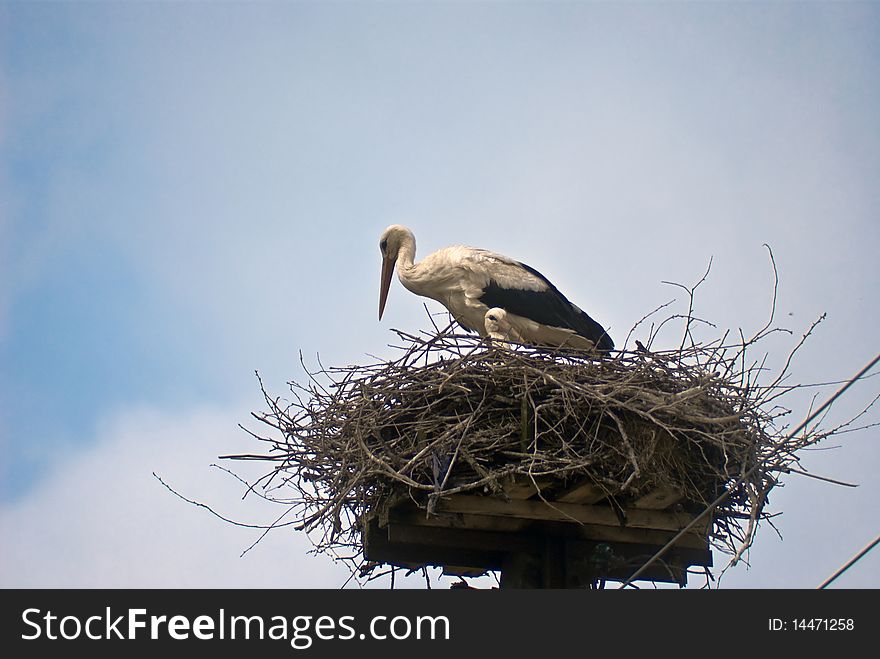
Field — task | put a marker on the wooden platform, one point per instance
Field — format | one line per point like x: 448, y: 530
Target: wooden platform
x: 572, y: 540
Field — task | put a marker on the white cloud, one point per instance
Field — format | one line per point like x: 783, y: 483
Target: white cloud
x: 100, y: 519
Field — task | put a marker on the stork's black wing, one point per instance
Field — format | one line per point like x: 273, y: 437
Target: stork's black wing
x: 548, y: 307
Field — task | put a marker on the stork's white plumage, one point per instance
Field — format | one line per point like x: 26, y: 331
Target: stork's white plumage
x: 470, y: 281
x: 498, y: 326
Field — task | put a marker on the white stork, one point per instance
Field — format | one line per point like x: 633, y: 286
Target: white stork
x: 498, y: 327
x: 470, y: 281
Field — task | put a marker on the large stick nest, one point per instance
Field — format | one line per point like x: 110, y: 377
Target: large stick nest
x: 452, y: 414
x: 455, y: 414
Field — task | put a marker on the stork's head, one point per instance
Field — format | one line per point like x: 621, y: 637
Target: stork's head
x: 497, y: 326
x: 389, y: 244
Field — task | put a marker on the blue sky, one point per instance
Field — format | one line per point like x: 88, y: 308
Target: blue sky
x: 191, y: 192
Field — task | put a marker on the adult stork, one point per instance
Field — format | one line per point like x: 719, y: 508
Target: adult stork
x: 470, y: 281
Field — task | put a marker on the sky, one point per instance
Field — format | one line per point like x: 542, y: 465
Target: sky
x: 190, y: 192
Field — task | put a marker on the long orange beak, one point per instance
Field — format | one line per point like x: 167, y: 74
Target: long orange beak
x: 387, y: 271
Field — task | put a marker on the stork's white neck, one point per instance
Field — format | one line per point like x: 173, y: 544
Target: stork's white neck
x: 411, y: 274
x: 406, y: 254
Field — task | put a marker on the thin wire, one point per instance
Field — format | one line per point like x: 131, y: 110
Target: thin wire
x: 725, y: 494
x: 850, y: 562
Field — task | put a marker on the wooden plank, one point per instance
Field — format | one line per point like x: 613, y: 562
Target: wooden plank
x: 463, y: 571
x: 523, y: 487
x: 585, y: 493
x: 378, y: 548
x: 657, y: 539
x: 563, y: 512
x: 659, y: 499
x: 383, y: 513
x: 461, y: 539
x: 409, y: 555
x: 417, y: 517
x: 580, y: 550
x: 694, y: 540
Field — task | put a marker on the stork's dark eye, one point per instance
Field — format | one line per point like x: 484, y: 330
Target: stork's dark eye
x: 383, y: 245
x: 493, y: 318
